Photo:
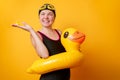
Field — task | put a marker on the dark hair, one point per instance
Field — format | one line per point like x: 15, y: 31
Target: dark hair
x: 47, y: 7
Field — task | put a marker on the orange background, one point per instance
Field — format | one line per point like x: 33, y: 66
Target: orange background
x: 98, y: 19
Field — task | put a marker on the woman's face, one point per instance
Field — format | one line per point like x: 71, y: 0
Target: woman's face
x: 47, y: 18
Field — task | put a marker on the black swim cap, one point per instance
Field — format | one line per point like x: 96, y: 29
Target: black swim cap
x: 48, y: 7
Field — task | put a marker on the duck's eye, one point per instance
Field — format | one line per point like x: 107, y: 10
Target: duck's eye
x: 66, y: 34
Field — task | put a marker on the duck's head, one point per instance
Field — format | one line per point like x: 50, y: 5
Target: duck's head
x: 72, y: 39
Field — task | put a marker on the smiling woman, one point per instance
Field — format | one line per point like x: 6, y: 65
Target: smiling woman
x: 47, y: 18
x: 98, y: 19
x: 47, y: 41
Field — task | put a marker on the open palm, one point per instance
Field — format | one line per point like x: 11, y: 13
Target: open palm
x: 25, y: 26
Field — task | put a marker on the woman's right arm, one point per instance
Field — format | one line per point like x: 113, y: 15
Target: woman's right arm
x: 38, y: 44
x: 36, y: 40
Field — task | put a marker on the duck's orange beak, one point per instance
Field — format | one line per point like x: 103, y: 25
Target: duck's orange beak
x: 77, y: 37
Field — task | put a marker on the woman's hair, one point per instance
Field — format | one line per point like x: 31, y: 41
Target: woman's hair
x: 47, y: 7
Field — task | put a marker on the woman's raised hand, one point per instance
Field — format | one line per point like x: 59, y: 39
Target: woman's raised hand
x: 25, y: 26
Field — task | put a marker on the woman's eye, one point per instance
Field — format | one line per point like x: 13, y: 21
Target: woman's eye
x: 42, y: 13
x: 50, y: 14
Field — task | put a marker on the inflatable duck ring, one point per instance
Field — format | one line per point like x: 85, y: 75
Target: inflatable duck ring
x: 71, y: 40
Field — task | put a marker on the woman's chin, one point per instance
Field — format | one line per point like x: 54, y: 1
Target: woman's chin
x: 46, y: 25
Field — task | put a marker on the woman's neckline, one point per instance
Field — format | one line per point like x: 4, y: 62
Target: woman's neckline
x: 50, y: 37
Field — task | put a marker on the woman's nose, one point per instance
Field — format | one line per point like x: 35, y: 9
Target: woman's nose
x: 46, y: 16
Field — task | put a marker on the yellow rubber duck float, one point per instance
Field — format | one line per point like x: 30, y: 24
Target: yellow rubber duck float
x: 71, y: 40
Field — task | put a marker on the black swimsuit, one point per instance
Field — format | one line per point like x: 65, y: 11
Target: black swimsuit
x: 54, y: 47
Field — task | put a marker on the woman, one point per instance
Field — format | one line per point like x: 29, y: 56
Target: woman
x: 47, y: 41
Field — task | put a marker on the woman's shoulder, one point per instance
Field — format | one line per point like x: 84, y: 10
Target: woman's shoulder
x: 59, y: 31
x: 39, y: 34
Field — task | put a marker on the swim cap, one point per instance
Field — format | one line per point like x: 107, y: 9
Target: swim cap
x: 48, y: 7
